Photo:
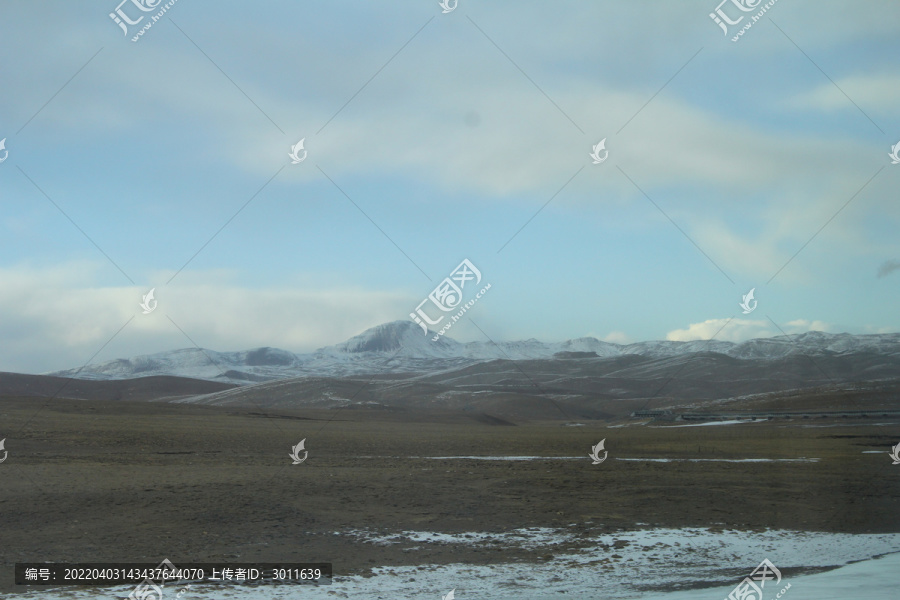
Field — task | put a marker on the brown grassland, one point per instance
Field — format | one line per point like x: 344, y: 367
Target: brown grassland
x: 138, y: 481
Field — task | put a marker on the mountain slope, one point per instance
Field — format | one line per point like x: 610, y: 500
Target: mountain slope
x: 402, y: 347
x: 158, y: 387
x: 589, y: 388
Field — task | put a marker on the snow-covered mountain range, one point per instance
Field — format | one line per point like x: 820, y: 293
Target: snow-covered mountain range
x: 402, y: 346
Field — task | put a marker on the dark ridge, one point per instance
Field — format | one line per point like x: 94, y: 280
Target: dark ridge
x: 575, y: 354
x: 140, y: 388
x: 491, y: 420
x: 256, y: 414
x: 268, y: 357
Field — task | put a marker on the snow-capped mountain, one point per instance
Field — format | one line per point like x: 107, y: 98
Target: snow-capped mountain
x: 402, y: 346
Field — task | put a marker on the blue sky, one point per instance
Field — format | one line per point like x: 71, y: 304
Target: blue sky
x: 448, y: 133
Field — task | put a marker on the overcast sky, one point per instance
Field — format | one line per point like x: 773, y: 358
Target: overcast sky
x: 435, y: 137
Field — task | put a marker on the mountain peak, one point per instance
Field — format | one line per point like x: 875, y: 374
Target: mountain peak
x: 391, y: 337
x: 406, y: 348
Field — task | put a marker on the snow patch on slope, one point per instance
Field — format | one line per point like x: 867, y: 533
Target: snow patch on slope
x: 402, y: 346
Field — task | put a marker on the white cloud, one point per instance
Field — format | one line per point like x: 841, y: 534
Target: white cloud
x: 410, y: 121
x: 736, y: 252
x: 871, y: 92
x: 55, y: 318
x: 522, y: 143
x: 802, y: 326
x: 740, y: 330
x: 737, y: 330
x: 671, y: 143
x: 617, y: 337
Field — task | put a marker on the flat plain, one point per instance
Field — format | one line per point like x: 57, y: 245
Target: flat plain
x: 142, y: 481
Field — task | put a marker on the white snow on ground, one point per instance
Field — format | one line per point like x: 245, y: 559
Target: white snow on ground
x: 411, y: 351
x: 501, y: 457
x: 640, y: 565
x: 867, y: 580
x: 586, y: 457
x: 733, y: 422
x: 845, y: 425
x: 734, y: 460
x: 534, y: 537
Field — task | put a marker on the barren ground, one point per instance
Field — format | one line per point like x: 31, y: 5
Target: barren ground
x: 131, y: 481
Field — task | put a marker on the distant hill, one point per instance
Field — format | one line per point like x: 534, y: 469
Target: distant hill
x: 397, y: 366
x: 402, y: 347
x: 157, y: 387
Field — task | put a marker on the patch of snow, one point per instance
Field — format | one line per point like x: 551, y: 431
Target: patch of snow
x: 528, y: 538
x: 410, y: 351
x: 734, y: 460
x: 631, y: 565
x: 847, y: 425
x: 500, y: 457
x: 733, y: 422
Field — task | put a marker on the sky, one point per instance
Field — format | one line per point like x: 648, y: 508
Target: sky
x: 430, y: 137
